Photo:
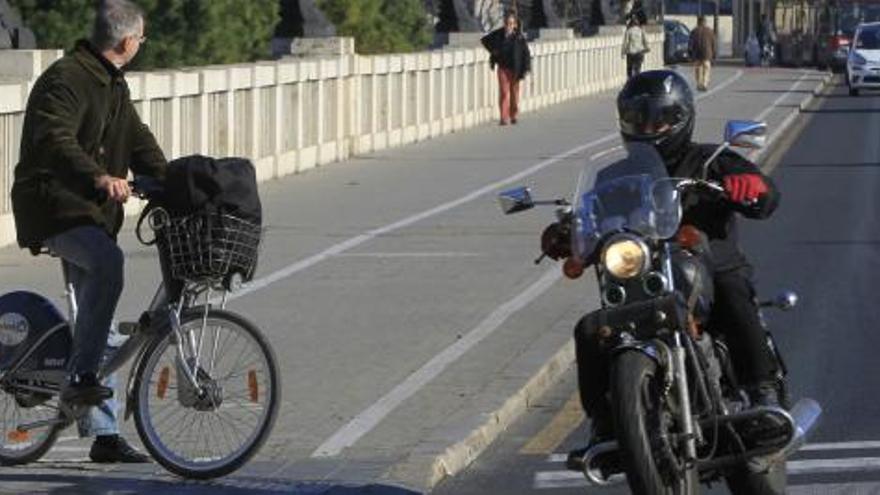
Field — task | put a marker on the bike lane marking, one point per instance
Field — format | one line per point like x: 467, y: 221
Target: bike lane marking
x: 560, y: 427
x: 367, y: 419
x: 370, y: 417
x: 353, y: 242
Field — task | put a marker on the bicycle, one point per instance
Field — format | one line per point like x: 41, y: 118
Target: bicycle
x: 204, y: 388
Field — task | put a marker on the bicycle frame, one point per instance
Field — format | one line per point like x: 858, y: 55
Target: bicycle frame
x: 161, y: 318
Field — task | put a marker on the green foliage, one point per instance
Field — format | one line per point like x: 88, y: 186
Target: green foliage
x: 179, y: 32
x: 57, y: 23
x: 380, y: 26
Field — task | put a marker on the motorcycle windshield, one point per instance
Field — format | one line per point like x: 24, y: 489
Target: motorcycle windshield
x: 626, y: 191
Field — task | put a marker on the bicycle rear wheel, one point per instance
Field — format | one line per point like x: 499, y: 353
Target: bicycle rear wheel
x: 20, y: 408
x: 211, y: 430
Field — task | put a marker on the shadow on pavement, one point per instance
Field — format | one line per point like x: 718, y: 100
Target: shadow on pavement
x: 833, y: 166
x: 804, y: 91
x: 64, y: 484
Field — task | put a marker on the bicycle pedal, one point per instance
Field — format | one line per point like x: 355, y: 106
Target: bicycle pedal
x: 128, y: 328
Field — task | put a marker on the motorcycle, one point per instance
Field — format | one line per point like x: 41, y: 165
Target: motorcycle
x: 681, y: 418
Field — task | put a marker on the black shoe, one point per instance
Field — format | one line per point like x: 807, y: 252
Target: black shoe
x: 85, y: 390
x: 764, y: 394
x: 116, y: 450
x: 769, y: 429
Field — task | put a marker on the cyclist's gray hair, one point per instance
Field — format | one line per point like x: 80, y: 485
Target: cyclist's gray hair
x: 115, y: 19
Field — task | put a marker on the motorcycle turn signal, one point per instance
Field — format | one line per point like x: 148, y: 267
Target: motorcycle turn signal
x: 573, y: 268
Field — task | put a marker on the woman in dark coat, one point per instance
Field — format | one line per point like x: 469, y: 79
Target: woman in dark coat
x: 510, y: 52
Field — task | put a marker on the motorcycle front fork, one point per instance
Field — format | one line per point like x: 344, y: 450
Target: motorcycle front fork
x: 686, y: 418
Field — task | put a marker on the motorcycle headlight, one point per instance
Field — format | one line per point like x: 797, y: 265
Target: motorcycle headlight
x: 625, y: 257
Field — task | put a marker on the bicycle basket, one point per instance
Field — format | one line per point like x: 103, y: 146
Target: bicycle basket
x: 209, y: 248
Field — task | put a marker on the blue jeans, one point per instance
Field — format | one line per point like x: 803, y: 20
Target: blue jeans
x: 94, y: 265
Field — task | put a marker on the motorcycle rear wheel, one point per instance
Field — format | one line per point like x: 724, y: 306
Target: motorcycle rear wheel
x: 638, y: 416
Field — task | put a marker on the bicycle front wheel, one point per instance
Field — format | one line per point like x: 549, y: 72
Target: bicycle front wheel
x: 206, y: 406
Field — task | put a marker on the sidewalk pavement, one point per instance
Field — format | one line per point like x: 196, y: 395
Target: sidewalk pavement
x: 410, y: 323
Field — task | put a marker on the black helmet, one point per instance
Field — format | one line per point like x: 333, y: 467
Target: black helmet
x: 657, y: 106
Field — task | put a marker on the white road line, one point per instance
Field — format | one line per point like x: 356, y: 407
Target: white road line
x: 69, y: 449
x: 777, y: 101
x: 817, y: 466
x: 856, y: 445
x: 353, y: 242
x: 835, y: 489
x: 370, y: 417
x: 862, y: 445
x: 411, y: 255
x: 545, y: 480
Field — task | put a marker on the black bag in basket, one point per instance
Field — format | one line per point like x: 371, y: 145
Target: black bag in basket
x: 197, y: 183
x: 197, y: 186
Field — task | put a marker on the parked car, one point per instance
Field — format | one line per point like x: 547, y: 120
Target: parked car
x: 675, y: 42
x: 836, y: 31
x: 863, y: 62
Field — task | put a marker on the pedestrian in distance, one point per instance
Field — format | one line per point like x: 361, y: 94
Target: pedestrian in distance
x: 80, y: 138
x: 702, y: 48
x: 635, y: 46
x: 509, y: 51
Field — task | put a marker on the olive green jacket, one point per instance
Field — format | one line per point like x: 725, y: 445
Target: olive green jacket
x: 79, y: 124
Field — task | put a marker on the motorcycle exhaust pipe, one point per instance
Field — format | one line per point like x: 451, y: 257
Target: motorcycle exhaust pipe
x: 805, y: 415
x: 594, y: 474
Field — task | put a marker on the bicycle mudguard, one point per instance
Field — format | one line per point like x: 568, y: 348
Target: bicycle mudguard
x: 33, y: 333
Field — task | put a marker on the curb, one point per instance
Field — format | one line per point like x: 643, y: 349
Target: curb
x: 463, y: 452
x: 774, y: 139
x: 465, y: 435
x: 473, y: 437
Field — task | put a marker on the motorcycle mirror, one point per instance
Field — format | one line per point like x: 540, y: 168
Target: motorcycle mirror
x: 784, y: 300
x: 516, y: 200
x: 746, y: 134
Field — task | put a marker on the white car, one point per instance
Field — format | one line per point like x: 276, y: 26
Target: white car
x: 863, y: 62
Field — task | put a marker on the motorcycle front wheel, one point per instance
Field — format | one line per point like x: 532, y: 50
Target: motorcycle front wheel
x: 641, y: 420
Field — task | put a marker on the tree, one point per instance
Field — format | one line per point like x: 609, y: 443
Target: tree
x: 56, y: 23
x: 179, y: 32
x: 380, y: 26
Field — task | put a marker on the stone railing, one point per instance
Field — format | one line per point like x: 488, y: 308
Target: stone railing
x: 297, y: 113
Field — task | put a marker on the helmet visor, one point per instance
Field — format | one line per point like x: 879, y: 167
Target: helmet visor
x: 651, y: 117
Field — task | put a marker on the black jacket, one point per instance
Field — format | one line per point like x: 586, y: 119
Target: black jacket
x: 717, y: 218
x: 79, y: 124
x: 510, y: 52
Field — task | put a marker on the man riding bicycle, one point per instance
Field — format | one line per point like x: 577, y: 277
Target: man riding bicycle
x: 81, y: 136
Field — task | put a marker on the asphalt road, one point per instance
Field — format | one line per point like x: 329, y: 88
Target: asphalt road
x: 823, y: 242
x: 401, y: 303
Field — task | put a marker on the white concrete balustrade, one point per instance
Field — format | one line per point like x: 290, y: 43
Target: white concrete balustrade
x: 297, y: 113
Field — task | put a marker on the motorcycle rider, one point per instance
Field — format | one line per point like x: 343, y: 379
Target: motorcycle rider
x: 658, y: 107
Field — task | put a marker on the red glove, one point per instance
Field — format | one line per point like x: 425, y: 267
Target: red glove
x: 745, y: 188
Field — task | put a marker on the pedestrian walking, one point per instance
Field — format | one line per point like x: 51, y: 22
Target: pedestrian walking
x: 509, y: 51
x: 635, y: 46
x: 702, y: 47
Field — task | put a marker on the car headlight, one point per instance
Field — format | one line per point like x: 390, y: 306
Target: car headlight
x: 625, y: 257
